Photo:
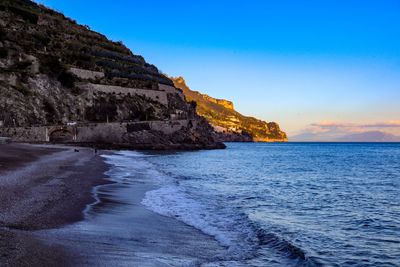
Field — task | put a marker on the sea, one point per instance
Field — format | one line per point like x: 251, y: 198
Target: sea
x: 264, y: 204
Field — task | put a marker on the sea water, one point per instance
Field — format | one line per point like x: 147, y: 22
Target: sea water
x: 252, y: 204
x: 293, y: 204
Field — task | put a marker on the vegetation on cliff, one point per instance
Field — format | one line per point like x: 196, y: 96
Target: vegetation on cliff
x: 46, y: 61
x: 230, y: 124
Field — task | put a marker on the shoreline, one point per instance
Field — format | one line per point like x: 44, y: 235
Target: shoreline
x: 52, y: 196
x: 43, y: 188
x: 119, y: 230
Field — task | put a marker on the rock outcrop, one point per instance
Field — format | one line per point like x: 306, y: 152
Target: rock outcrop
x: 54, y: 72
x: 230, y: 125
x: 225, y: 103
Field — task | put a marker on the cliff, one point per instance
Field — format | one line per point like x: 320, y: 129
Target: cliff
x: 229, y: 124
x: 225, y: 103
x: 60, y: 81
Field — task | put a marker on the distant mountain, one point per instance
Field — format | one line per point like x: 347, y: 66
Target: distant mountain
x: 311, y: 137
x: 373, y: 136
x: 229, y: 124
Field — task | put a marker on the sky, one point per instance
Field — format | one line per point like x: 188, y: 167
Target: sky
x: 312, y: 66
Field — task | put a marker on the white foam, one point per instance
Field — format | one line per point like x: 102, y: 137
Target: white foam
x: 228, y: 227
x: 231, y: 231
x: 127, y: 164
x: 125, y: 167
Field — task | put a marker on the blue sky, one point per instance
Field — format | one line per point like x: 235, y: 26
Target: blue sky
x: 300, y: 63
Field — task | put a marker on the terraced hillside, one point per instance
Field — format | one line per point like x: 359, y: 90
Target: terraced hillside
x: 54, y: 72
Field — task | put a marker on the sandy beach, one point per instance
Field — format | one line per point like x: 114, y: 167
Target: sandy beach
x: 42, y: 187
x: 59, y: 208
x: 119, y: 230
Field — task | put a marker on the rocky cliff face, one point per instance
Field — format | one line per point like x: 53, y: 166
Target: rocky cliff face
x: 229, y: 124
x: 54, y: 72
x: 222, y: 102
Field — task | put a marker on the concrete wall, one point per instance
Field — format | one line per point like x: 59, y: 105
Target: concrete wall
x: 93, y: 132
x: 155, y: 95
x: 168, y: 127
x: 102, y: 132
x: 25, y: 134
x: 116, y: 132
x: 87, y: 74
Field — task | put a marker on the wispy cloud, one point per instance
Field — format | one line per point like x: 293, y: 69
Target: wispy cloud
x: 329, y: 125
x: 389, y: 124
x: 330, y: 130
x: 335, y: 125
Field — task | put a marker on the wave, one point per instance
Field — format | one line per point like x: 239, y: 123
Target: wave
x: 230, y: 227
x: 230, y: 231
x: 281, y: 245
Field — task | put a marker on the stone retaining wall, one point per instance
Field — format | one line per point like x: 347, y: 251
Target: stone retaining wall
x: 87, y: 74
x: 25, y: 134
x: 93, y: 132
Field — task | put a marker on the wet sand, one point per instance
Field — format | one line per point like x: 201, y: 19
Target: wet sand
x: 50, y: 216
x: 127, y: 234
x: 119, y: 230
x: 13, y: 156
x: 42, y: 187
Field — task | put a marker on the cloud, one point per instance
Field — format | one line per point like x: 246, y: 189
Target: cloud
x: 334, y: 125
x: 328, y: 124
x: 388, y: 124
x: 330, y: 130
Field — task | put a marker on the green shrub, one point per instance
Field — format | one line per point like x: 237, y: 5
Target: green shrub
x: 3, y: 52
x: 25, y: 14
x: 76, y: 90
x: 104, y: 109
x: 2, y: 34
x: 57, y: 46
x: 43, y: 39
x: 67, y: 79
x: 22, y: 89
x: 20, y: 66
x: 79, y: 58
x: 48, y: 107
x: 115, y: 47
x: 51, y: 65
